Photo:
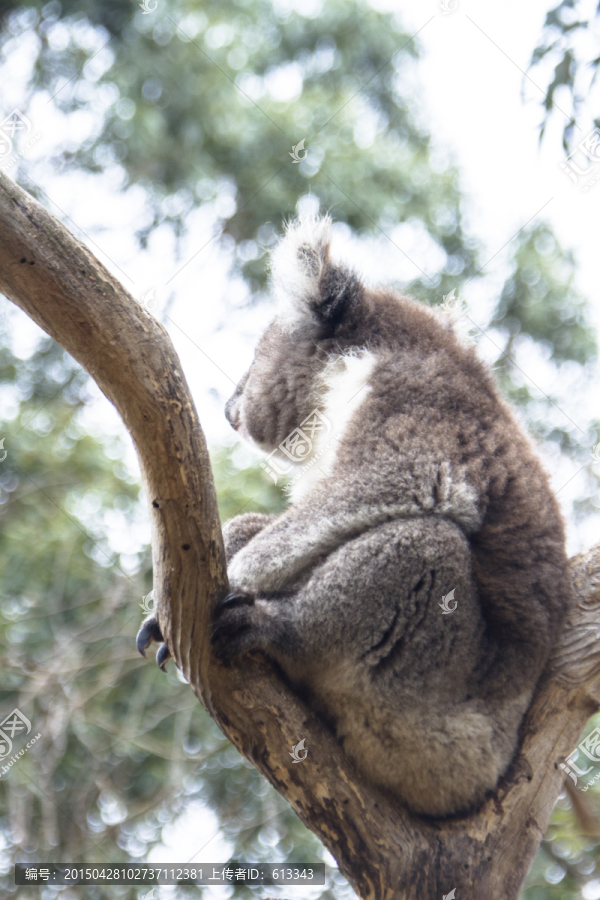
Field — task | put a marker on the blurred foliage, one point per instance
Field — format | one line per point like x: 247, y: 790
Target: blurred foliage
x: 563, y: 43
x: 192, y: 109
x: 189, y: 105
x: 540, y: 303
x: 242, y: 489
x: 540, y: 299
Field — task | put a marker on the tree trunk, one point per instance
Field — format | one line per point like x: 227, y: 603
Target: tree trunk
x: 383, y: 850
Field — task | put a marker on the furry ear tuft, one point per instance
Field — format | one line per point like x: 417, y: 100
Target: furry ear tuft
x: 306, y: 282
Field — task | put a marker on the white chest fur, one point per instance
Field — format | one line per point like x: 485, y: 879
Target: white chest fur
x: 345, y: 386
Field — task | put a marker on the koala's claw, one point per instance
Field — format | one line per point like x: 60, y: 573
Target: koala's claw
x: 163, y: 655
x: 148, y: 633
x: 236, y: 598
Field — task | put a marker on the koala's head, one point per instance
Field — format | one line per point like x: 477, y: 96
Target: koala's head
x: 323, y: 314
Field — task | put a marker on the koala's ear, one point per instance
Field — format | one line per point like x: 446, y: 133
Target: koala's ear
x: 308, y: 285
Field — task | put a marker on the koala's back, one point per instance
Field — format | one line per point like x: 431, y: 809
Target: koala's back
x: 434, y: 435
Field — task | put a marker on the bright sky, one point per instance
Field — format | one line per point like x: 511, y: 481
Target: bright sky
x: 472, y: 71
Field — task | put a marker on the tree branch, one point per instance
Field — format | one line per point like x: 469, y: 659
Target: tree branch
x: 384, y: 851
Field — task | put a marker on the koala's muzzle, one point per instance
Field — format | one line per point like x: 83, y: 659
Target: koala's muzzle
x: 232, y: 409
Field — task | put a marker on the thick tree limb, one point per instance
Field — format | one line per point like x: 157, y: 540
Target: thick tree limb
x: 380, y: 848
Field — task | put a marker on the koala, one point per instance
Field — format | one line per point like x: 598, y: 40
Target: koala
x: 423, y: 484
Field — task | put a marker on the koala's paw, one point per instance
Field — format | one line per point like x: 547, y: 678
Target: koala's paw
x: 240, y: 530
x: 148, y: 633
x: 236, y: 625
x: 255, y: 568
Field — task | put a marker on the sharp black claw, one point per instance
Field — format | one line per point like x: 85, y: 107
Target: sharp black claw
x: 236, y: 598
x: 162, y: 656
x: 148, y: 632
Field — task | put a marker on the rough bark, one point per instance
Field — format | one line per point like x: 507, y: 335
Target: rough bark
x: 380, y: 848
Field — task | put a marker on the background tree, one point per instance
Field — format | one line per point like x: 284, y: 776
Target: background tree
x: 567, y: 59
x: 198, y: 107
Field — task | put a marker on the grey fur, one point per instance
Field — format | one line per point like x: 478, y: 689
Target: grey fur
x: 433, y: 487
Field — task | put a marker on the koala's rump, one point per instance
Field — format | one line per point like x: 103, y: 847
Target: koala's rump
x: 397, y: 676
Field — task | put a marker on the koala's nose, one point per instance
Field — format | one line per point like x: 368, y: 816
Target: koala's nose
x: 232, y: 412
